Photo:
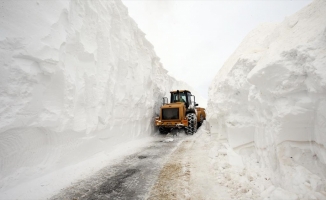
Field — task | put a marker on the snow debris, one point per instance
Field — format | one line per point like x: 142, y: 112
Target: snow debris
x: 268, y: 102
x: 168, y: 139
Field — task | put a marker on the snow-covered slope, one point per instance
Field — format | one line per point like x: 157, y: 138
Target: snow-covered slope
x: 271, y: 95
x: 77, y: 79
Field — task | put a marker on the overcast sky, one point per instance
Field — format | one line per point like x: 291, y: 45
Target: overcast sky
x: 195, y: 38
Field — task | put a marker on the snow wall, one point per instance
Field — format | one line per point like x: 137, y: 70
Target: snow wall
x: 77, y: 78
x: 271, y: 95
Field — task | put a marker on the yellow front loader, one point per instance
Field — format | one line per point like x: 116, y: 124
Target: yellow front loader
x: 181, y: 112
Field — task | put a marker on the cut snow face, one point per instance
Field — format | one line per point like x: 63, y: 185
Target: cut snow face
x: 269, y: 102
x: 78, y: 81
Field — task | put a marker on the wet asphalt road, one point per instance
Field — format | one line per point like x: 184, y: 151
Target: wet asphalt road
x: 132, y: 178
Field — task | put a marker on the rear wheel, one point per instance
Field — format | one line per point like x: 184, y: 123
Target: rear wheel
x: 192, y: 123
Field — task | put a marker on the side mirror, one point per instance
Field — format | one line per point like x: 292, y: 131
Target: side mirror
x: 193, y: 100
x: 165, y: 100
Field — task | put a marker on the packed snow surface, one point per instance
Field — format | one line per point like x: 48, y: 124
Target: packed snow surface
x: 79, y: 85
x: 191, y: 170
x: 269, y: 102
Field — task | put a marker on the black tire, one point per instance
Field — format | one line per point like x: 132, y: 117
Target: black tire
x: 163, y: 130
x: 192, y: 123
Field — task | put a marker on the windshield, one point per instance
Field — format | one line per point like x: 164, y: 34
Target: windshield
x: 175, y: 97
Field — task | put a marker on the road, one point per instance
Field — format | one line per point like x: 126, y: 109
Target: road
x: 130, y: 179
x: 169, y: 168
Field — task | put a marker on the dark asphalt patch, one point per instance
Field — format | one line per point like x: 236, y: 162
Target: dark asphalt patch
x: 115, y: 183
x: 114, y: 186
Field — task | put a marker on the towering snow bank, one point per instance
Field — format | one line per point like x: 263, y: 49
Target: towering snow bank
x: 271, y: 94
x: 77, y: 78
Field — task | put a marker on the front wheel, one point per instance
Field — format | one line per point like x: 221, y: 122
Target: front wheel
x: 192, y: 123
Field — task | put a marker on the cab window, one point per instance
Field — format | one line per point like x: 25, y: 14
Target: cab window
x: 175, y: 97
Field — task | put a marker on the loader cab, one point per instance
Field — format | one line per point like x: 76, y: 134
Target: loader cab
x: 182, y: 96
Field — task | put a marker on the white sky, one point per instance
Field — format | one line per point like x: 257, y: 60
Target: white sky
x: 195, y: 38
